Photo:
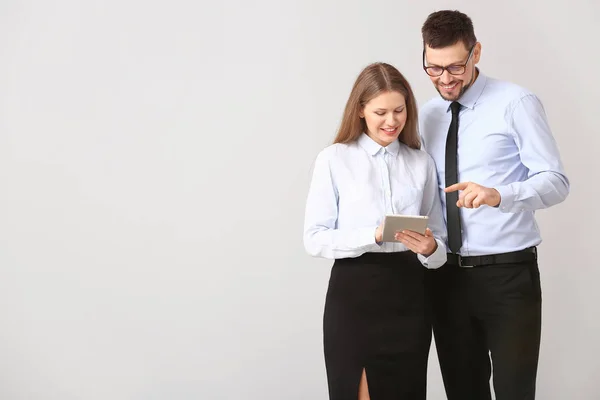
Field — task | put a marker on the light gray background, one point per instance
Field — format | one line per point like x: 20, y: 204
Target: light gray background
x: 154, y: 163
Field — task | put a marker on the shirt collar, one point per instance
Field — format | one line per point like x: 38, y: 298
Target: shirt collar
x: 472, y: 94
x: 372, y: 147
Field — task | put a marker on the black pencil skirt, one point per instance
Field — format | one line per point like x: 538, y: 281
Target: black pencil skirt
x: 376, y: 319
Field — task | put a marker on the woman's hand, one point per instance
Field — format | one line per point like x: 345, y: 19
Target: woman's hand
x: 379, y: 233
x: 420, y: 244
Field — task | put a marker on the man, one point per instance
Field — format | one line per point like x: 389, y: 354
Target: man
x: 497, y: 163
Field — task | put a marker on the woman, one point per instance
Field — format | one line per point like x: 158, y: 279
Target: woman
x: 376, y: 329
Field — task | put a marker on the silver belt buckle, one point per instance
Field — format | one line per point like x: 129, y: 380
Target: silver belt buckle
x: 460, y: 263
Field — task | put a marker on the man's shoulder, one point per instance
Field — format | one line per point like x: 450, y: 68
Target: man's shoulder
x: 431, y: 114
x: 433, y: 105
x: 507, y: 90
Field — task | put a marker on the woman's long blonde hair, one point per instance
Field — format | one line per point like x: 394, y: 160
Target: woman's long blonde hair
x: 375, y: 79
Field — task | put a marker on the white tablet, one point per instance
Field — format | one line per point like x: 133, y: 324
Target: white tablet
x: 395, y: 223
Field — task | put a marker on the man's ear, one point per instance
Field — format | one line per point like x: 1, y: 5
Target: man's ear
x: 477, y: 53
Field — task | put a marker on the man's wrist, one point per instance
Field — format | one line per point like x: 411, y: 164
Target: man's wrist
x: 498, y: 196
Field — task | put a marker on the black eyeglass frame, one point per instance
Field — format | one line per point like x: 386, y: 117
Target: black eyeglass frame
x: 454, y: 69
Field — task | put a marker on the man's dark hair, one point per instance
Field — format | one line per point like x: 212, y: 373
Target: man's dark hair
x: 446, y: 28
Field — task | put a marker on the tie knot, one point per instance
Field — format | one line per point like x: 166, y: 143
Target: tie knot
x: 455, y: 107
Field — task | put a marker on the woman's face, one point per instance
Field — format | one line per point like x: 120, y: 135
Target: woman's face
x: 385, y: 116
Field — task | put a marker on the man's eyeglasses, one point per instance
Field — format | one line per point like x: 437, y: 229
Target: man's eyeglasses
x: 455, y: 69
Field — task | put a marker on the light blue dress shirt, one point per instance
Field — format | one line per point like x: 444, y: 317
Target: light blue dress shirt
x: 504, y: 142
x: 355, y: 185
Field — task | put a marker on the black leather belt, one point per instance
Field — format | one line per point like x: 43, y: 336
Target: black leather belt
x: 528, y: 254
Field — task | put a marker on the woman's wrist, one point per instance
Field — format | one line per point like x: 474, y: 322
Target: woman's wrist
x: 378, y: 235
x: 435, y: 247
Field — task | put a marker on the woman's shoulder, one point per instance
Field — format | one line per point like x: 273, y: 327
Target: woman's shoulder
x: 335, y: 150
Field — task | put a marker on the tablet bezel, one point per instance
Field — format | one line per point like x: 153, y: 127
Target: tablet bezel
x: 395, y: 223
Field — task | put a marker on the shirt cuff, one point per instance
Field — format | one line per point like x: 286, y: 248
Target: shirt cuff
x: 437, y: 259
x: 507, y: 198
x: 367, y: 239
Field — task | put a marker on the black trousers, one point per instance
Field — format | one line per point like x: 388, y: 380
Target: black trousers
x: 482, y: 312
x: 376, y: 319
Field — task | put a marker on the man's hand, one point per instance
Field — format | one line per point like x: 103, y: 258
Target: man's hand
x: 473, y: 195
